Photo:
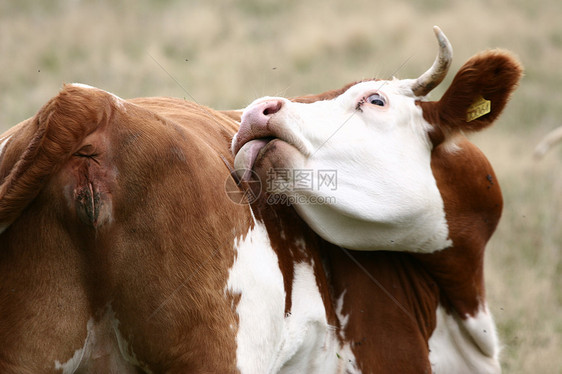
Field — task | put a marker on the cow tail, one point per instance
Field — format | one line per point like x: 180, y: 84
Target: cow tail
x: 57, y: 131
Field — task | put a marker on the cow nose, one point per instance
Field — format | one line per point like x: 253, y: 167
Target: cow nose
x: 260, y: 113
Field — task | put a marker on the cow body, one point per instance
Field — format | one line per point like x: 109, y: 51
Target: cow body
x: 121, y: 252
x: 100, y: 273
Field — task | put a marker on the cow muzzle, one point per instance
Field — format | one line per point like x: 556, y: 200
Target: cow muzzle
x: 254, y: 134
x: 269, y: 129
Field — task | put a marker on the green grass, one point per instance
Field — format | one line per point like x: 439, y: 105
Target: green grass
x: 225, y: 54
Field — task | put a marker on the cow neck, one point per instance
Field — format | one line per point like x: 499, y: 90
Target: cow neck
x: 384, y: 299
x: 380, y: 299
x: 473, y: 204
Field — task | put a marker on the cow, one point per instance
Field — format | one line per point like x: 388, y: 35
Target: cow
x: 121, y: 252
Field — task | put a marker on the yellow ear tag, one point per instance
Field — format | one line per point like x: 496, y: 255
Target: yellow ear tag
x: 478, y: 108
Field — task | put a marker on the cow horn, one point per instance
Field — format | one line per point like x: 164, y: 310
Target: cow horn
x: 437, y: 72
x: 548, y: 141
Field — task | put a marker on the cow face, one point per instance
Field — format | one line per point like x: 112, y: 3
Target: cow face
x: 365, y: 156
x: 356, y: 164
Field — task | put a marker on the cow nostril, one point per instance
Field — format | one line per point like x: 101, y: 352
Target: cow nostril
x: 272, y: 107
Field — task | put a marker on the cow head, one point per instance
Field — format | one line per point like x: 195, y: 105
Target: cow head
x: 356, y: 162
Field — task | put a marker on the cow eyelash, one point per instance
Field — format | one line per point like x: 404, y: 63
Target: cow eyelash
x: 360, y: 104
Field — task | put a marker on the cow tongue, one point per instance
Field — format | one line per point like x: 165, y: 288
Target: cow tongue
x: 246, y: 156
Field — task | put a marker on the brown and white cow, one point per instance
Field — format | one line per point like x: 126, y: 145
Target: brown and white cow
x: 121, y: 252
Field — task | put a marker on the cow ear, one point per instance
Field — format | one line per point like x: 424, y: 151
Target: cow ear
x: 477, y: 94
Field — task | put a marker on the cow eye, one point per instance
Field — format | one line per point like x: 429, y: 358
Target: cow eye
x: 376, y: 99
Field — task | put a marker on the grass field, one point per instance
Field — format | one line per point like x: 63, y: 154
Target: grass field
x: 224, y: 54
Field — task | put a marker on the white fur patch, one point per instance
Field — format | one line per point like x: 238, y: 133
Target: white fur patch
x: 71, y: 365
x: 3, y: 144
x: 85, y: 86
x: 104, y: 349
x: 309, y: 343
x: 483, y: 330
x: 341, y: 317
x: 269, y: 341
x: 464, y: 346
x: 119, y: 102
x: 345, y: 354
x: 256, y: 277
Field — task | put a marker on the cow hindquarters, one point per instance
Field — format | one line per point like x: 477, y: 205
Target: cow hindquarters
x: 43, y: 305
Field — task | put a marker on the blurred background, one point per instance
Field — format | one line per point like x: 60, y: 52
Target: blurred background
x: 224, y: 54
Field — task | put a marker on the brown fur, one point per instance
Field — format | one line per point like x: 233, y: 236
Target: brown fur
x: 466, y: 180
x: 151, y: 163
x: 131, y: 213
x: 473, y: 206
x: 123, y: 205
x: 491, y: 74
x: 54, y: 132
x: 390, y: 303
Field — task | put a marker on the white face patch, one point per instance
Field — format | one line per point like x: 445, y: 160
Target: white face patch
x: 373, y: 141
x: 464, y: 346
